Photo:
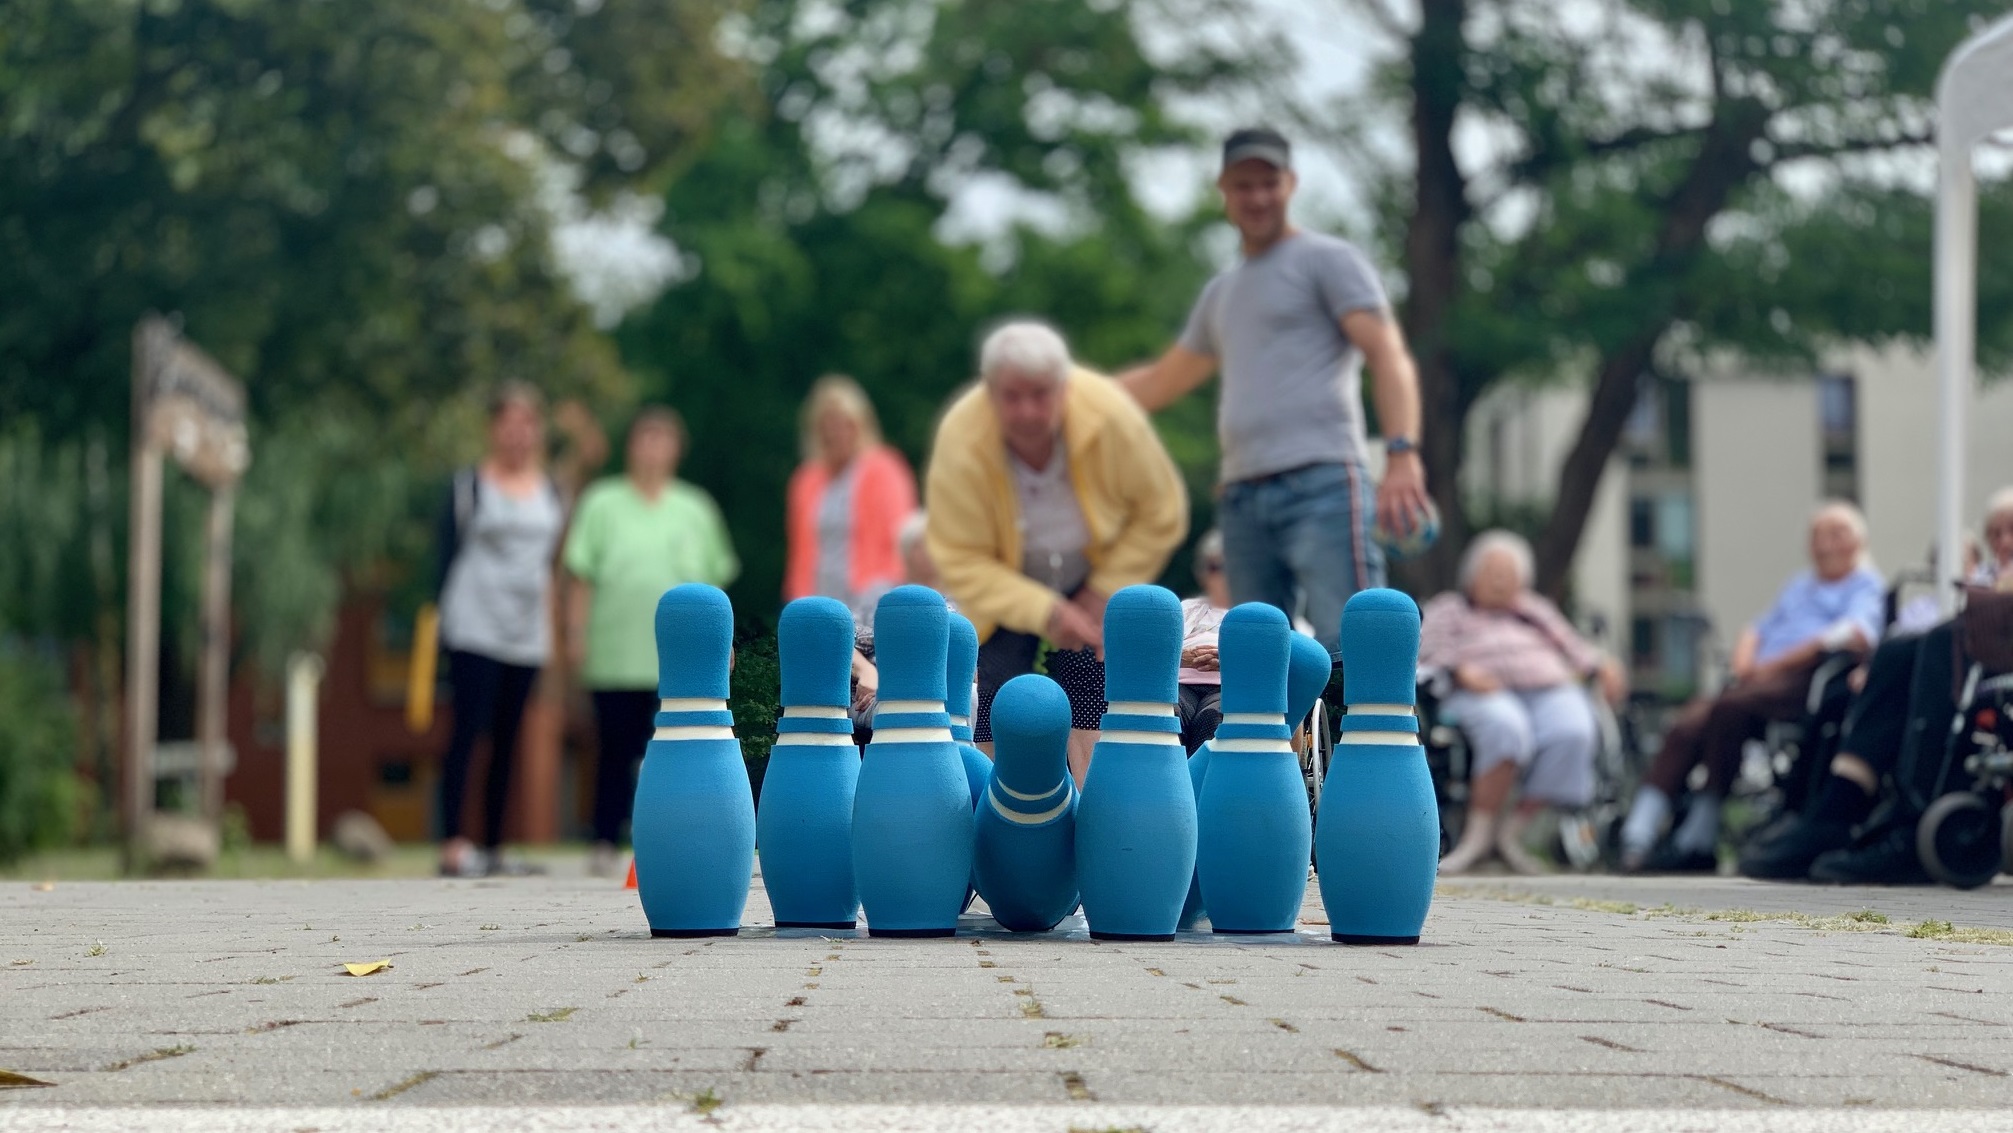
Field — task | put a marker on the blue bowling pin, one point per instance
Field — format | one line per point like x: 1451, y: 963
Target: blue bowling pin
x: 694, y: 818
x: 804, y: 827
x: 1253, y: 831
x: 1378, y: 834
x: 1025, y: 860
x: 961, y: 664
x: 912, y: 813
x: 1308, y: 670
x: 1135, y: 825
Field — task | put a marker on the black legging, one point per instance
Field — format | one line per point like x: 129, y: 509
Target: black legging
x: 489, y: 697
x: 624, y: 719
x: 1898, y: 724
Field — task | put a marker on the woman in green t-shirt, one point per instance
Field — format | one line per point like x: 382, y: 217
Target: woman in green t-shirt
x: 634, y: 537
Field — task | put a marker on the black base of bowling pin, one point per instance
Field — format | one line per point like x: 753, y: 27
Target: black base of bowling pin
x: 691, y: 933
x: 910, y: 933
x: 1132, y: 936
x: 1351, y: 938
x: 817, y: 924
x: 1252, y: 931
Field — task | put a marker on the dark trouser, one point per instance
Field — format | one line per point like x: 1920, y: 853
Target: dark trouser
x: 1712, y: 729
x: 1900, y: 723
x: 489, y: 697
x: 623, y: 719
x: 1006, y: 655
x: 1201, y: 710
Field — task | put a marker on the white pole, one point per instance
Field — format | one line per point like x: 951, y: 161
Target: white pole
x: 1974, y: 99
x: 304, y: 674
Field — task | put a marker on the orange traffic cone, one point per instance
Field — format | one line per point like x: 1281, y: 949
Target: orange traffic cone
x: 631, y: 883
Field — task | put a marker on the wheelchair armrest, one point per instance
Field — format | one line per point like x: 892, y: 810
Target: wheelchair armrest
x: 1826, y: 677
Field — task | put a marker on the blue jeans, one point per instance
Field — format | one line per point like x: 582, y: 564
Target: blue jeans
x: 1303, y: 536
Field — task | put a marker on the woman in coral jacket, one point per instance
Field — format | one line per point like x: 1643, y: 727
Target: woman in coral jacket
x: 847, y: 502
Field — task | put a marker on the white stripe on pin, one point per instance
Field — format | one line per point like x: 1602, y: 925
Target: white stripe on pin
x: 698, y: 732
x: 909, y: 706
x: 1388, y: 739
x: 691, y: 704
x: 1261, y: 718
x: 1030, y: 819
x: 1139, y: 708
x: 1028, y: 798
x: 1127, y: 736
x: 812, y: 712
x: 1270, y: 746
x: 912, y: 735
x: 813, y: 739
x: 1378, y: 709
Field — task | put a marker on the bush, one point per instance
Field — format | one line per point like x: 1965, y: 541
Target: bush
x: 39, y: 791
x: 755, y: 695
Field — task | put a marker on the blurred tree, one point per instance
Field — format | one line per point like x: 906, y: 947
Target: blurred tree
x: 1638, y: 183
x: 345, y: 204
x: 821, y: 223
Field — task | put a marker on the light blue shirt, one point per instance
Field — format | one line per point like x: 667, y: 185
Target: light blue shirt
x: 1808, y: 606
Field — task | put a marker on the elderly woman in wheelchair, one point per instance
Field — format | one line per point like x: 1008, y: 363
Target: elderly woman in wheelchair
x: 1512, y: 673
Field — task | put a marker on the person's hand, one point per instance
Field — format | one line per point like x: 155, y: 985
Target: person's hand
x: 1614, y: 681
x: 866, y: 684
x: 1070, y: 628
x: 1092, y: 603
x: 1856, y: 680
x: 1472, y: 678
x: 1201, y: 657
x: 1402, y: 498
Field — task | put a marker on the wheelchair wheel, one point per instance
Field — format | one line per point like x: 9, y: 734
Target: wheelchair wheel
x: 1958, y: 840
x: 2006, y: 840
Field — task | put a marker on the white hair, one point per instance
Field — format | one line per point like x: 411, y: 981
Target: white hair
x: 1024, y: 347
x: 911, y: 532
x: 1844, y: 510
x: 1999, y: 501
x: 1498, y: 539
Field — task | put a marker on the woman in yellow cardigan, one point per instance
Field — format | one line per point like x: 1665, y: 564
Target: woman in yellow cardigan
x: 1048, y: 491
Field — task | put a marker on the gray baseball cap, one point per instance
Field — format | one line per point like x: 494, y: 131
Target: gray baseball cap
x: 1258, y: 143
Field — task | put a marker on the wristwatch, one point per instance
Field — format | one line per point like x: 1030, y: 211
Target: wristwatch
x: 1395, y: 446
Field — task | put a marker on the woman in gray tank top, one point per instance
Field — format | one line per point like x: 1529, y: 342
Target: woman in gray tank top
x: 499, y: 533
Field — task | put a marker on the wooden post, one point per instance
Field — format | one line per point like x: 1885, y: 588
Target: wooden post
x: 143, y: 614
x: 213, y: 684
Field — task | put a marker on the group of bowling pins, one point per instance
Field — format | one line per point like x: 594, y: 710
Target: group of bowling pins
x: 1153, y: 842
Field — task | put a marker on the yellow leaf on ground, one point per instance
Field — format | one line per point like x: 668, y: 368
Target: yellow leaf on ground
x: 45, y: 887
x: 12, y: 1081
x: 367, y: 969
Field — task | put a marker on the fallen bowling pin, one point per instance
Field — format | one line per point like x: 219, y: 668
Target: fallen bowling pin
x: 804, y: 826
x: 1308, y: 670
x: 1378, y: 831
x: 694, y: 817
x: 1135, y: 824
x: 912, y: 812
x: 1026, y: 856
x: 1253, y: 833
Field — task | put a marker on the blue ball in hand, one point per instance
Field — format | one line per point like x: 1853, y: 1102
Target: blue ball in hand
x: 1411, y: 544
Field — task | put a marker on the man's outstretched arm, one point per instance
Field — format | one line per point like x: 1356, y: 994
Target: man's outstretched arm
x: 1173, y: 376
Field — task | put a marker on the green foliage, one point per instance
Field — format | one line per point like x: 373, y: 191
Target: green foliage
x: 39, y: 793
x: 343, y: 204
x: 819, y: 255
x: 755, y: 692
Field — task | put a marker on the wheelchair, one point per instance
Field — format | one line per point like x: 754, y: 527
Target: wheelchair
x: 1583, y: 834
x: 1965, y: 835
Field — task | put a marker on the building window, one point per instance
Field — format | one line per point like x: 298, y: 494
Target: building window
x: 1838, y: 435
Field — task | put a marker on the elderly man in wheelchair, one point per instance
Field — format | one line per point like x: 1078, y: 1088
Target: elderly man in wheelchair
x: 1834, y: 607
x: 1917, y: 788
x: 1504, y: 665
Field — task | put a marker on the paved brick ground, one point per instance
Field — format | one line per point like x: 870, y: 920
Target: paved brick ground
x: 1546, y: 994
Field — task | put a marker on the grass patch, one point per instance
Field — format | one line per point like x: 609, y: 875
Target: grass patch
x: 706, y: 1101
x: 1944, y: 930
x: 392, y: 1091
x: 1624, y: 908
x: 155, y: 1055
x: 555, y: 1015
x: 1056, y: 1040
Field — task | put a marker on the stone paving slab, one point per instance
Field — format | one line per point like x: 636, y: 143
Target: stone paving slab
x: 1559, y: 997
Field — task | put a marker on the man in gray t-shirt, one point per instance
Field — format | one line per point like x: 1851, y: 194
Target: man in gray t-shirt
x: 1291, y: 327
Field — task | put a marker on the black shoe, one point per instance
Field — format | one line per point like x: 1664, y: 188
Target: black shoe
x: 1667, y: 858
x: 1885, y: 858
x: 1786, y: 855
x: 1772, y: 831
